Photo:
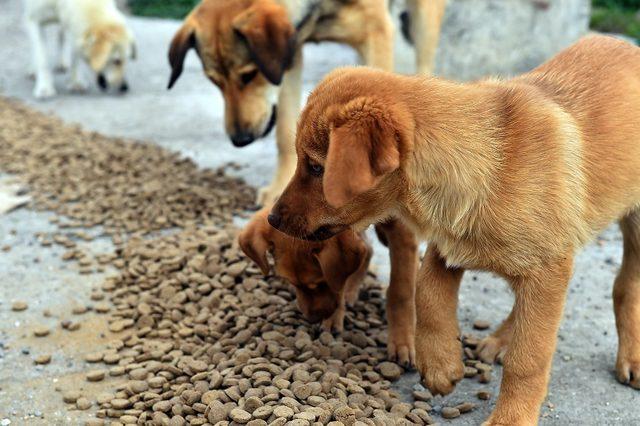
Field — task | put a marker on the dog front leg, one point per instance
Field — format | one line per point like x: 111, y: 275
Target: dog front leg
x: 288, y: 110
x: 425, y: 21
x: 377, y: 48
x: 401, y: 308
x: 537, y: 313
x: 438, y: 346
x: 77, y: 83
x: 44, y: 78
x: 63, y: 51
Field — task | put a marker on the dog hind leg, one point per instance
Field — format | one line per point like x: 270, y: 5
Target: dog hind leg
x: 423, y: 26
x: 626, y: 303
x: 44, y: 78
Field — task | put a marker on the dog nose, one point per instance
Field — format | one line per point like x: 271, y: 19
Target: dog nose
x: 124, y: 87
x: 241, y: 139
x: 274, y: 220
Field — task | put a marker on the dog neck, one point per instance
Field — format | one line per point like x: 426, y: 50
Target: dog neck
x: 451, y: 170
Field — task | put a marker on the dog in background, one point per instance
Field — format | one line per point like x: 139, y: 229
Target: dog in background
x: 252, y: 50
x: 327, y: 275
x: 508, y: 176
x: 96, y: 32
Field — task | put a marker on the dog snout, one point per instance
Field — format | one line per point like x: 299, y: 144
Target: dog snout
x: 102, y: 82
x: 274, y: 220
x: 242, y: 138
x: 124, y: 87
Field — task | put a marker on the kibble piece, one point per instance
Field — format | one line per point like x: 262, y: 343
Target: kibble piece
x: 450, y: 412
x: 481, y: 324
x: 120, y: 403
x: 390, y: 370
x: 239, y: 415
x: 93, y: 357
x: 43, y: 359
x: 19, y: 306
x: 71, y: 396
x: 484, y: 395
x: 83, y: 403
x: 41, y: 331
x: 283, y: 411
x: 95, y: 375
x: 422, y: 395
x: 465, y: 407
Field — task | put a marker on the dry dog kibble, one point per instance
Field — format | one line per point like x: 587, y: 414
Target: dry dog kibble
x: 93, y: 357
x: 390, y: 370
x: 203, y: 337
x: 465, y: 407
x: 481, y: 324
x: 95, y: 375
x: 83, y: 404
x: 70, y: 397
x: 41, y: 331
x: 19, y: 305
x: 450, y: 412
x: 42, y: 359
x: 484, y: 395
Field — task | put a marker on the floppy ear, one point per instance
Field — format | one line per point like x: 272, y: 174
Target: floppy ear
x: 344, y: 260
x: 97, y: 47
x: 183, y: 40
x: 363, y: 148
x: 254, y: 243
x: 270, y: 37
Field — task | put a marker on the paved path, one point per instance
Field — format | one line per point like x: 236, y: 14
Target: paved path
x: 188, y: 119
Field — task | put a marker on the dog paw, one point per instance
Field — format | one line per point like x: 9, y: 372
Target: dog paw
x: 44, y: 91
x: 401, y: 349
x: 77, y: 86
x: 335, y: 323
x: 351, y: 297
x: 628, y: 370
x: 266, y: 196
x: 440, y: 366
x: 491, y: 349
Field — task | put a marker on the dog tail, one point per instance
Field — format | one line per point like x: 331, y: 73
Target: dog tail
x: 405, y: 26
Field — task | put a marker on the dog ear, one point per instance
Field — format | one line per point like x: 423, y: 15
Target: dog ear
x: 183, y: 40
x: 97, y: 47
x: 254, y: 242
x: 344, y: 258
x: 363, y: 148
x: 270, y: 37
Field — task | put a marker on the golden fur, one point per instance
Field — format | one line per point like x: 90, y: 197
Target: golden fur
x: 252, y: 50
x: 327, y: 274
x: 508, y: 176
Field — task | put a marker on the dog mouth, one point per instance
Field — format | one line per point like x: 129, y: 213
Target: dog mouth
x: 324, y: 232
x: 272, y: 121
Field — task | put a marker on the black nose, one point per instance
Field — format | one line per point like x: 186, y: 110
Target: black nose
x: 124, y: 87
x: 275, y: 220
x: 241, y: 139
x: 102, y: 82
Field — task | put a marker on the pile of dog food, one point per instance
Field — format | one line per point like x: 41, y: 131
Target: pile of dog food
x: 200, y: 334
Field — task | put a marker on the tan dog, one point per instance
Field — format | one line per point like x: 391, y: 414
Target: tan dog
x: 506, y: 176
x: 327, y: 275
x: 252, y: 50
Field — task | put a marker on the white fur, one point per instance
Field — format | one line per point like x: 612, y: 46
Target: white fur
x: 75, y: 17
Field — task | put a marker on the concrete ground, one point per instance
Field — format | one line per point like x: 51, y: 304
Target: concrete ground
x: 583, y: 389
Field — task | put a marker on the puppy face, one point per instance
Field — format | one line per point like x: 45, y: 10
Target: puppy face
x: 107, y: 50
x: 245, y: 47
x: 350, y: 139
x: 319, y: 271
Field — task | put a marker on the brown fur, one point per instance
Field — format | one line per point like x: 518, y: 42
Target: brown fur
x: 508, y: 176
x: 327, y: 275
x: 252, y: 50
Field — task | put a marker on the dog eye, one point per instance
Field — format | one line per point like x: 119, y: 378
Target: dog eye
x: 248, y: 76
x: 117, y: 62
x: 315, y: 169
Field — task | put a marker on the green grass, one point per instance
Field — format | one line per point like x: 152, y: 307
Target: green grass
x: 616, y: 16
x: 176, y: 9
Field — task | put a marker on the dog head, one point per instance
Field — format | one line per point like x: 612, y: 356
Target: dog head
x: 245, y: 47
x: 107, y: 50
x: 351, y: 138
x: 319, y: 271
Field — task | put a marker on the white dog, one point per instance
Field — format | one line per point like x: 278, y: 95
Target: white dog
x: 96, y: 32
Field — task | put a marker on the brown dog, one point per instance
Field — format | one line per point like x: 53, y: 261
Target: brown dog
x: 252, y: 50
x: 327, y: 275
x: 507, y: 176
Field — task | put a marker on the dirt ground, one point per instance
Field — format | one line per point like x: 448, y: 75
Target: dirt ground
x: 583, y: 389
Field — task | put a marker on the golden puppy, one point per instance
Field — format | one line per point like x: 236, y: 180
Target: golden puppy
x: 252, y: 50
x: 507, y: 176
x: 327, y: 275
